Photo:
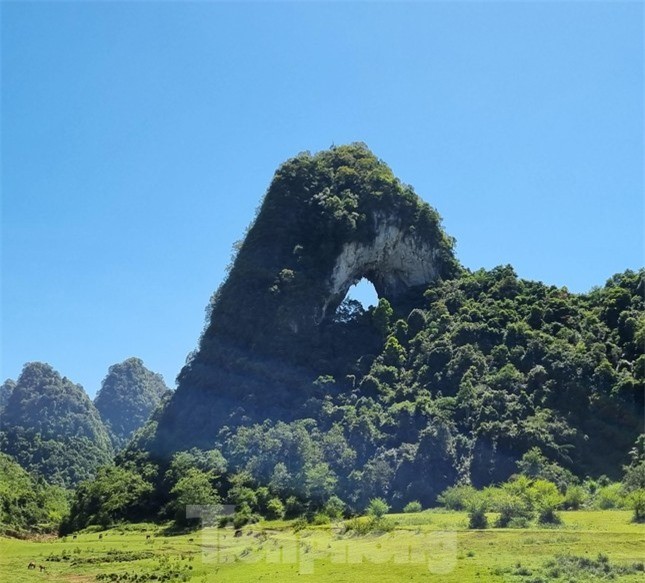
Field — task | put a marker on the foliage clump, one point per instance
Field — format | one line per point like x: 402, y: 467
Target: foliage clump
x: 27, y: 504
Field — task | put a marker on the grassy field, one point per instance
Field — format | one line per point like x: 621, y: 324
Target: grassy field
x: 429, y: 546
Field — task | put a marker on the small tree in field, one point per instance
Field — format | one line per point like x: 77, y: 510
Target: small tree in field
x: 377, y: 508
x: 636, y: 501
x: 412, y: 507
x: 194, y: 488
x: 477, y: 513
x: 547, y: 500
x: 334, y: 508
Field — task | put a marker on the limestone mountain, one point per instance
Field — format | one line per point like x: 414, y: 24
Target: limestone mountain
x: 326, y: 222
x: 50, y: 427
x: 453, y: 377
x: 128, y: 395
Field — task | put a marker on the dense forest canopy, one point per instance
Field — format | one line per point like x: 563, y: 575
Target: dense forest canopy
x: 128, y: 395
x: 50, y: 426
x: 491, y: 377
x: 298, y: 401
x: 6, y: 389
x: 28, y: 504
x: 453, y: 381
x: 327, y: 220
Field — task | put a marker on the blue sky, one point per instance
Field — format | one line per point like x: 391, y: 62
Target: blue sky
x: 139, y: 138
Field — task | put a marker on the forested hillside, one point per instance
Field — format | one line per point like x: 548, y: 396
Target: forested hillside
x: 6, y: 389
x: 453, y: 380
x: 50, y: 427
x: 128, y: 395
x: 28, y: 504
x: 298, y: 401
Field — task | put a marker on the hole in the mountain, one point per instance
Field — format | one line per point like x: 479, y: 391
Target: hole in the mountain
x: 360, y: 297
x: 364, y: 293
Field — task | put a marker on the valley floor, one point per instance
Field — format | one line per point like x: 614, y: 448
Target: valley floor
x: 428, y: 546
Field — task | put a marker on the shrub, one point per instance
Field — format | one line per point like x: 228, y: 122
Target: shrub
x: 274, y: 509
x: 636, y: 501
x: 372, y: 524
x: 334, y: 508
x: 377, y: 508
x: 575, y: 497
x: 547, y: 499
x: 609, y: 496
x: 243, y: 516
x: 457, y: 497
x: 320, y: 518
x: 412, y: 507
x: 477, y: 515
x: 512, y: 509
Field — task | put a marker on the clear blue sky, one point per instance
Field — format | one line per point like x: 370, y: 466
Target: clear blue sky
x: 138, y: 139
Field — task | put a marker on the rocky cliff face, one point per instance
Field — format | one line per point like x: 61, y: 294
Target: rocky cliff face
x: 326, y: 222
x: 395, y: 260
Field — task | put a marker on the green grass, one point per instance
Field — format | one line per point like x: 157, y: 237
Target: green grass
x: 428, y: 546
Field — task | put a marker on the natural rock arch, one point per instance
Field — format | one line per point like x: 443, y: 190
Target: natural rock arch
x: 394, y: 261
x: 326, y: 222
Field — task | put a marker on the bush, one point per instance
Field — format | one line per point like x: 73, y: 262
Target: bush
x: 320, y: 518
x: 372, y: 524
x: 477, y: 515
x: 274, y: 509
x: 335, y: 508
x: 609, y: 496
x: 636, y: 501
x: 377, y: 508
x: 412, y: 507
x: 243, y: 515
x: 548, y: 516
x: 575, y: 497
x: 457, y: 497
x: 513, y: 510
x: 547, y: 499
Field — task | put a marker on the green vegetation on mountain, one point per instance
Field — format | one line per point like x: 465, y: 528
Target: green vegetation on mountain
x: 475, y: 389
x: 6, y: 389
x: 467, y: 378
x: 28, y: 504
x: 52, y: 429
x: 128, y: 395
x: 446, y: 382
x: 270, y: 326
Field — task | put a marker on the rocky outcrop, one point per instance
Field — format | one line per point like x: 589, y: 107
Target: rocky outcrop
x: 326, y: 222
x: 394, y: 261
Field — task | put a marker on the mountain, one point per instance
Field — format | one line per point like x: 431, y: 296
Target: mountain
x: 50, y: 427
x: 453, y: 377
x: 128, y: 395
x: 326, y: 221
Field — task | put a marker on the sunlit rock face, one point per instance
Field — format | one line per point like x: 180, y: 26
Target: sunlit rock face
x: 395, y: 260
x: 326, y: 221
